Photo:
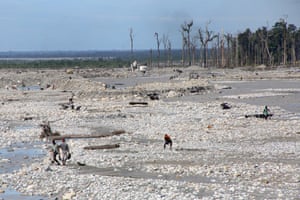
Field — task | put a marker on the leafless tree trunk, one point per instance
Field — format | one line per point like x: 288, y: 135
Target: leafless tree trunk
x: 131, y: 46
x: 193, y: 49
x: 222, y: 51
x: 184, y: 42
x: 285, y: 35
x: 158, y: 50
x: 165, y: 41
x: 151, y: 57
x: 169, y: 53
x: 293, y: 49
x: 229, y: 51
x: 236, y: 51
x: 266, y: 50
x: 186, y: 27
x: 204, y: 41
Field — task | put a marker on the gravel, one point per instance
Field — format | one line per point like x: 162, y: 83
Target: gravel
x: 216, y: 153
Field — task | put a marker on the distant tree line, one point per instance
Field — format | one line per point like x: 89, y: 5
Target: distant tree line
x: 64, y: 63
x: 279, y: 45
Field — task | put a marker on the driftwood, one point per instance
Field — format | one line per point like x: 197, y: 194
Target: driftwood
x: 78, y: 136
x: 225, y: 106
x: 106, y: 146
x: 138, y: 103
x: 47, y: 131
x: 259, y: 116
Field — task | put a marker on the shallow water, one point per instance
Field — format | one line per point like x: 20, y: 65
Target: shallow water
x: 12, y: 158
x: 288, y: 93
x: 33, y: 88
x: 11, y: 194
x: 17, y: 154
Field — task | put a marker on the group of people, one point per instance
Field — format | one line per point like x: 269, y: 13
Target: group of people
x: 62, y: 150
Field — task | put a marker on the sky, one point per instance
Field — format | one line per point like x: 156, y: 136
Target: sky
x: 50, y: 25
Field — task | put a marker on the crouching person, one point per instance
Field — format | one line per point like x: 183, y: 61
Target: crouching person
x: 54, y: 152
x: 168, y: 141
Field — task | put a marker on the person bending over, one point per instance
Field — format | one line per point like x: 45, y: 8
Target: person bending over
x: 168, y: 141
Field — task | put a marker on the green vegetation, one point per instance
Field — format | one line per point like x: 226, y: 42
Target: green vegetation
x: 63, y: 63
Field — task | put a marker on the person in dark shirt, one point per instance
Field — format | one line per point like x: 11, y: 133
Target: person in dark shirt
x: 168, y: 141
x: 54, y: 152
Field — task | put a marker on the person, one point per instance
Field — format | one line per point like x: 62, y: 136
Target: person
x: 71, y: 103
x: 54, y: 152
x: 64, y: 147
x: 168, y: 141
x: 266, y: 112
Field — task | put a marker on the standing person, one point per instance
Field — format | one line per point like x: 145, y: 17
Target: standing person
x: 64, y: 152
x: 168, y: 141
x: 266, y: 112
x: 54, y: 152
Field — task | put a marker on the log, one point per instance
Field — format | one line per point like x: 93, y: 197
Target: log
x: 78, y: 136
x: 106, y: 146
x: 259, y: 115
x: 138, y: 103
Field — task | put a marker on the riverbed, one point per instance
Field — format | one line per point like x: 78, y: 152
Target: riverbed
x: 216, y: 153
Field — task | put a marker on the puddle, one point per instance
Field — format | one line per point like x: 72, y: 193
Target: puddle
x: 13, y: 157
x: 11, y: 194
x: 23, y: 127
x: 32, y: 88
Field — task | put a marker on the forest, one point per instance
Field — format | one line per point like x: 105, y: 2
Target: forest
x: 277, y: 46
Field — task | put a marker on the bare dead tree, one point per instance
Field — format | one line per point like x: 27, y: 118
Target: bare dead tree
x: 169, y: 53
x: 158, y: 50
x: 186, y: 27
x: 236, y: 51
x: 264, y: 37
x: 229, y: 49
x: 222, y: 51
x: 151, y: 57
x: 165, y: 41
x: 193, y: 49
x: 184, y: 44
x: 131, y: 41
x: 209, y: 36
x: 285, y: 35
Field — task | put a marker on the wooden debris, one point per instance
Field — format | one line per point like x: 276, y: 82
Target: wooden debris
x: 106, y: 146
x: 80, y: 164
x: 78, y: 136
x: 225, y: 106
x: 153, y: 96
x: 138, y: 103
x: 259, y: 116
x: 47, y: 131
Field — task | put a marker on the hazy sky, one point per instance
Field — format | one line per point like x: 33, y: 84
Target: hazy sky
x: 104, y: 24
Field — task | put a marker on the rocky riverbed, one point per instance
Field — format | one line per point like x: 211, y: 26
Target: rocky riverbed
x: 216, y: 153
